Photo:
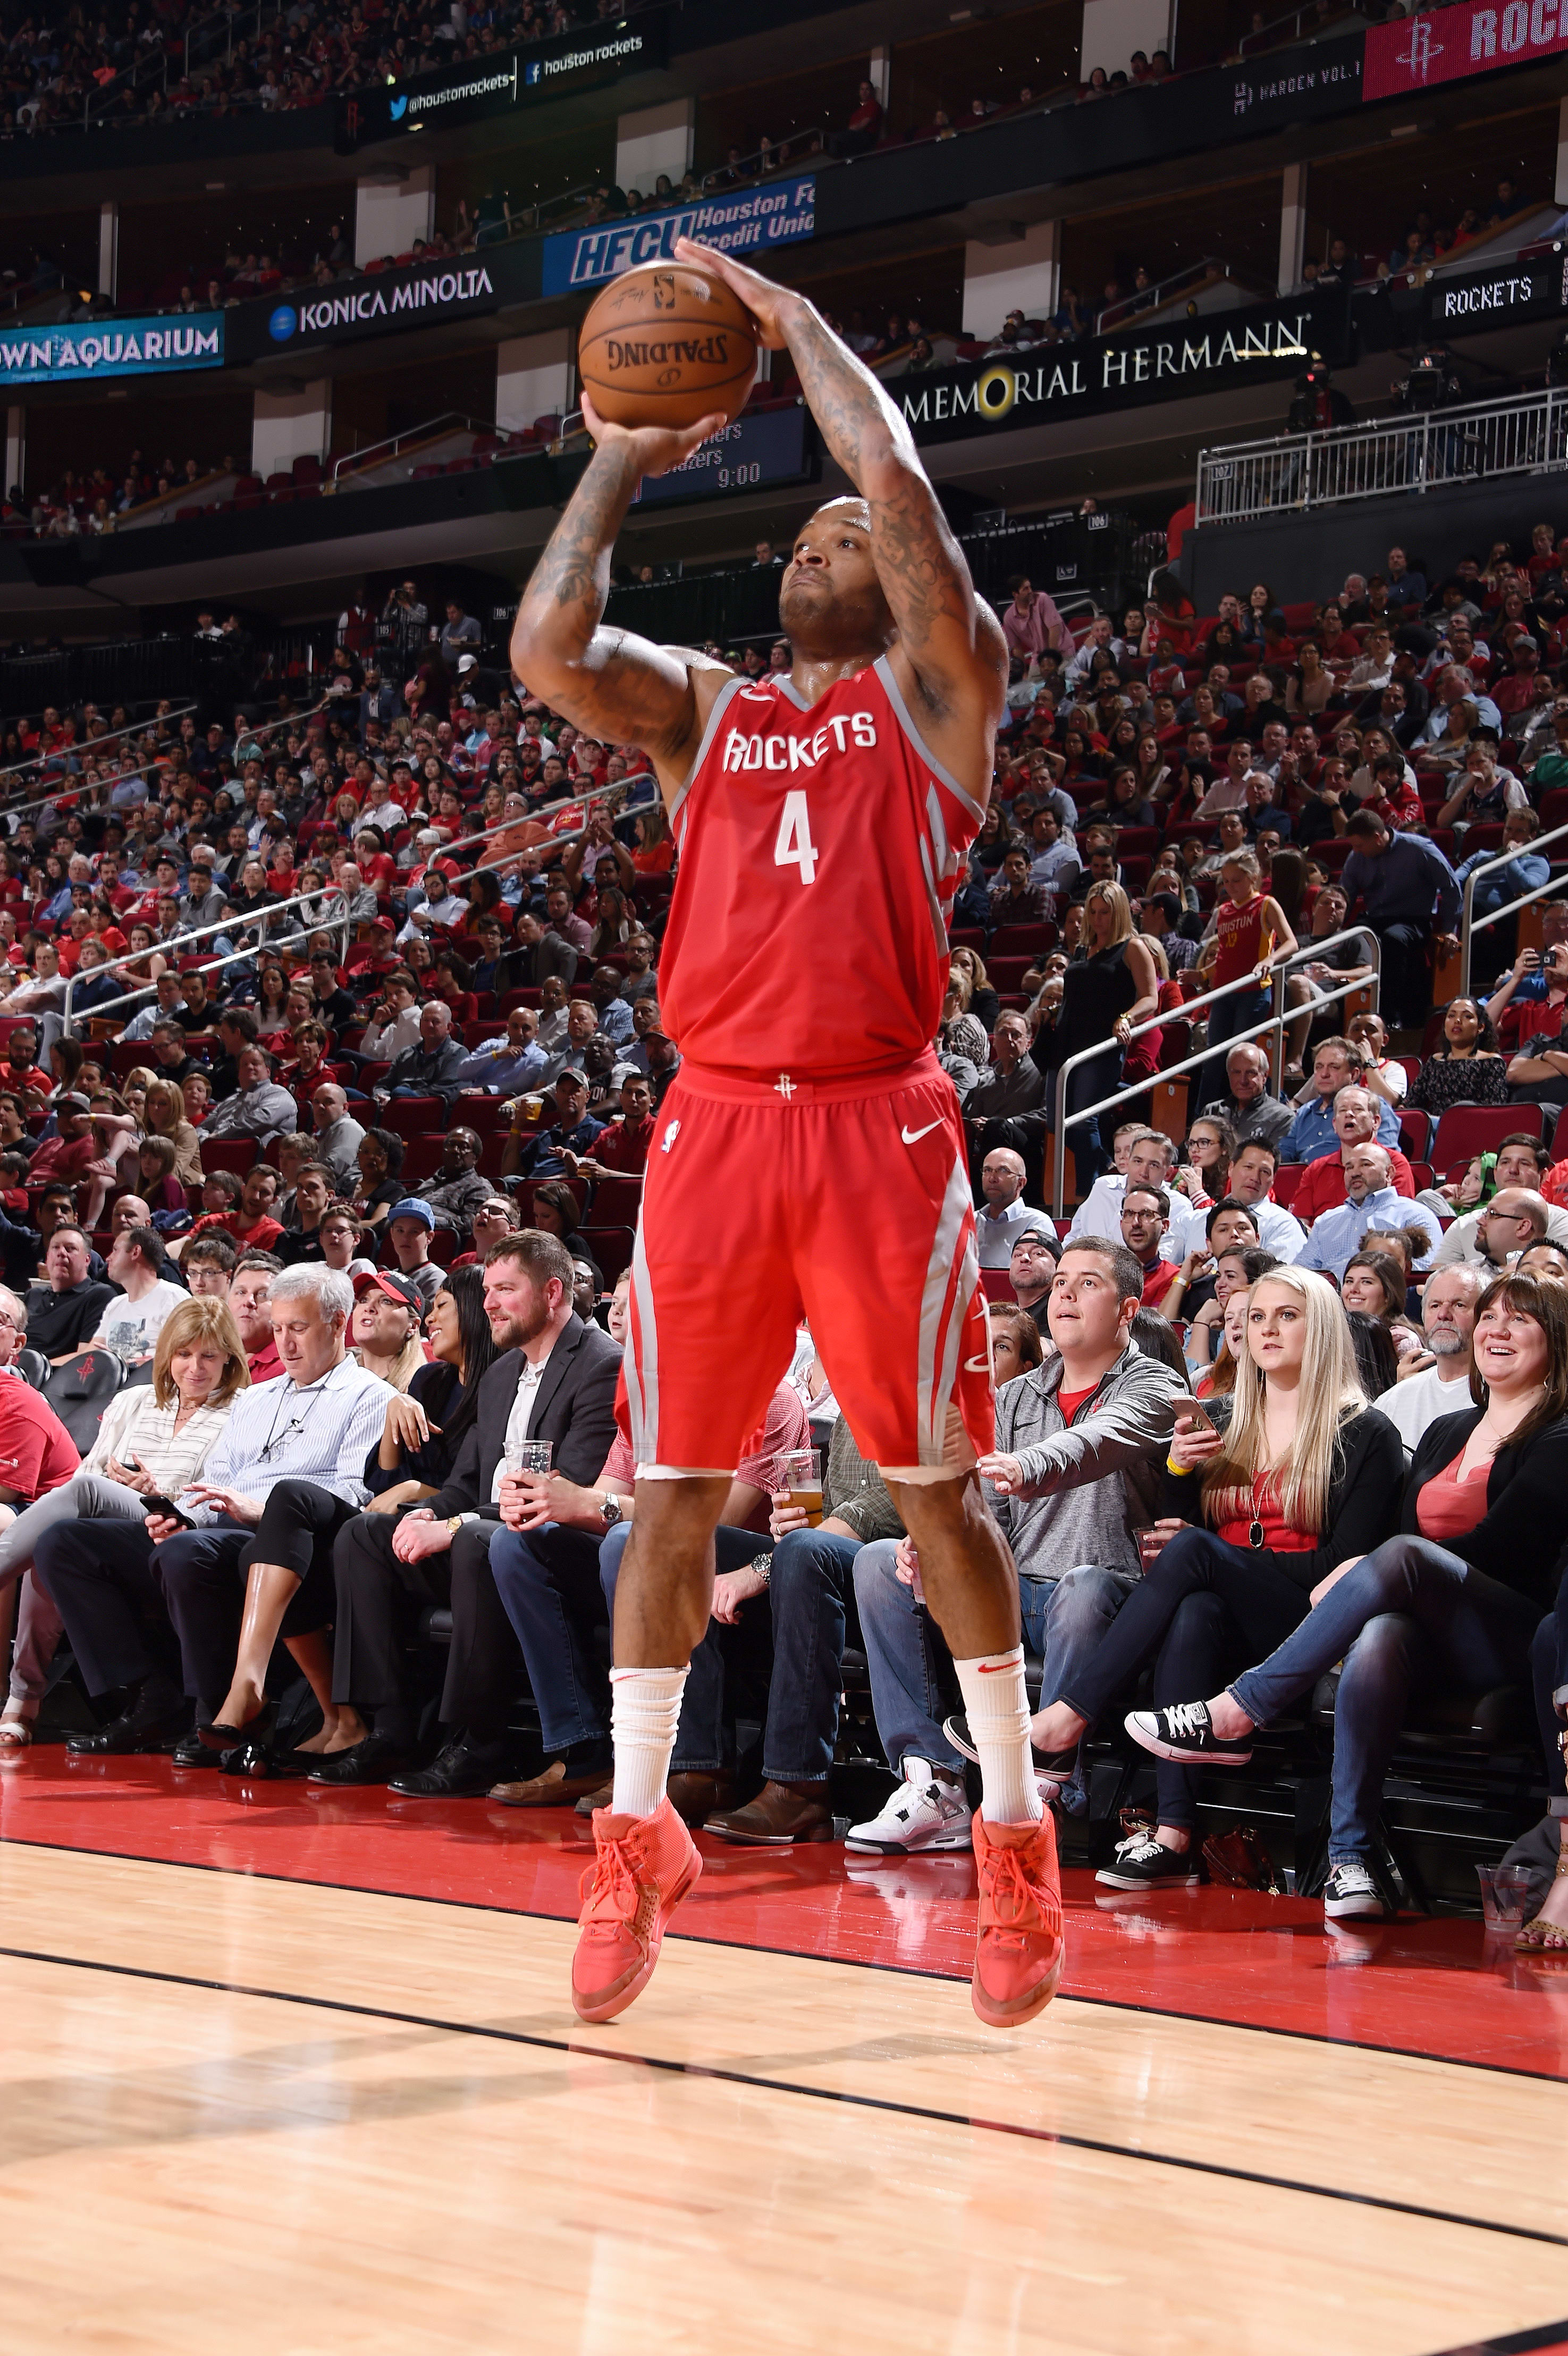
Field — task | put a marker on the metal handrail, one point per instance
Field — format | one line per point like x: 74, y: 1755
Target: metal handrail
x: 75, y: 786
x: 1205, y: 271
x: 262, y: 916
x: 432, y: 430
x: 1273, y: 1024
x: 1469, y: 923
x: 1376, y: 457
x: 134, y: 728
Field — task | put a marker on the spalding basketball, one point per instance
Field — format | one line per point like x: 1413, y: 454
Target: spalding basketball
x: 665, y: 344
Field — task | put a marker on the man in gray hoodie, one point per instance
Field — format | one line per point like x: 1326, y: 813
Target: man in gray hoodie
x: 1076, y: 1473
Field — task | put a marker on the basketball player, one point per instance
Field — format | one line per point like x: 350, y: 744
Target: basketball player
x: 822, y: 815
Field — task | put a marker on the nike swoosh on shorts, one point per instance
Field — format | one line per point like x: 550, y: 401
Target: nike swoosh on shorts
x: 914, y: 1136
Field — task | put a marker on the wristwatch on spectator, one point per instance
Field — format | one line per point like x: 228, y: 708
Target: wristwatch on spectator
x: 611, y: 1511
x: 455, y: 1521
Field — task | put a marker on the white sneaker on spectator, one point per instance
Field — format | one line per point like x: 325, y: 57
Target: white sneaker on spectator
x: 1350, y: 1890
x: 925, y: 1813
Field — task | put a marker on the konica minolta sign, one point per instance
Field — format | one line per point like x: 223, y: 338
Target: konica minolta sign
x: 385, y: 304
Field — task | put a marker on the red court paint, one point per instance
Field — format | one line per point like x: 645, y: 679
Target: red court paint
x: 1433, y: 1987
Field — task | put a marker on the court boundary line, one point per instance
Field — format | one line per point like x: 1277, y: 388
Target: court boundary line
x: 1545, y: 2337
x: 724, y: 2076
x: 804, y: 1956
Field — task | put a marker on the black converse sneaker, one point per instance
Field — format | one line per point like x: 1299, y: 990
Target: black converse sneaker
x: 1350, y: 1894
x: 1183, y: 1732
x: 1057, y: 1764
x: 1143, y: 1863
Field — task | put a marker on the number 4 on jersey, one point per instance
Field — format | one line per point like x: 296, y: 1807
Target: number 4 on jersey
x: 795, y: 846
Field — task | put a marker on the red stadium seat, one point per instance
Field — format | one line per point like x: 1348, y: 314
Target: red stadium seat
x: 612, y: 1248
x: 235, y: 1153
x: 1286, y: 1179
x: 996, y: 1284
x: 421, y: 1159
x: 1467, y: 1129
x: 1415, y: 1135
x: 416, y: 1117
x: 616, y: 1203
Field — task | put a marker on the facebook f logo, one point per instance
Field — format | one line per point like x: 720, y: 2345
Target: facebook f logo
x: 533, y: 72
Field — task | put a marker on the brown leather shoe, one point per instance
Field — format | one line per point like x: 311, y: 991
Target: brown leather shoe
x: 781, y: 1814
x: 693, y: 1797
x: 556, y: 1788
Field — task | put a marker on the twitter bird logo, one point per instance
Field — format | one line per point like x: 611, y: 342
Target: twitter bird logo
x: 400, y: 108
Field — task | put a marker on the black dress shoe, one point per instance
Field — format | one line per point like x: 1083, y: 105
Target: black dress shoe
x: 370, y: 1762
x: 218, y: 1736
x: 457, y: 1769
x: 150, y: 1723
x: 191, y: 1752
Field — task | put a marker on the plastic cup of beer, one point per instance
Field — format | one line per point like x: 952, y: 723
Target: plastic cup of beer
x: 529, y: 1456
x: 1151, y: 1545
x: 533, y: 1109
x: 800, y: 1476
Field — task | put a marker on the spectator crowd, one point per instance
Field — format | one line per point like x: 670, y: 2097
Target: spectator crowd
x: 331, y: 1059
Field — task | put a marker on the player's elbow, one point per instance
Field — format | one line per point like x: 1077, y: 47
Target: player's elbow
x: 888, y: 469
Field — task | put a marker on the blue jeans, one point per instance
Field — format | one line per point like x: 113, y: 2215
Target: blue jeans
x: 704, y: 1743
x: 813, y: 1575
x: 1409, y: 1609
x: 1065, y: 1621
x: 548, y: 1581
x: 1549, y: 1677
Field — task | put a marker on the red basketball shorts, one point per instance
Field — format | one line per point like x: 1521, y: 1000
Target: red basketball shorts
x: 846, y: 1201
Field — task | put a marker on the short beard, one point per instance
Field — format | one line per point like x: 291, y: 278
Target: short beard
x: 1444, y: 1342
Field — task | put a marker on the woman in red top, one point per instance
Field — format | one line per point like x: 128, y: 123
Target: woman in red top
x: 1304, y: 1474
x: 1458, y: 1595
x: 1250, y: 936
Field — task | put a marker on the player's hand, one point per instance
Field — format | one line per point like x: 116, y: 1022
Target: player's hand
x: 654, y: 449
x: 771, y: 305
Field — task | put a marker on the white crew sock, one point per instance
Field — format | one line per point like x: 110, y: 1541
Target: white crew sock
x: 645, y: 1711
x: 996, y: 1706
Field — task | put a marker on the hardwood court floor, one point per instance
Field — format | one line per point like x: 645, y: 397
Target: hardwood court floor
x: 251, y: 2110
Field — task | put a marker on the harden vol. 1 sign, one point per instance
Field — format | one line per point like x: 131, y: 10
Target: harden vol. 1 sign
x: 1451, y: 44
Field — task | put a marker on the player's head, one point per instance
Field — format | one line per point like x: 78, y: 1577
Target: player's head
x: 830, y: 600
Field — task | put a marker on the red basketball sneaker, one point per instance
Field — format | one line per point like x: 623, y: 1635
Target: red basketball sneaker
x: 643, y: 1869
x: 1018, y: 1953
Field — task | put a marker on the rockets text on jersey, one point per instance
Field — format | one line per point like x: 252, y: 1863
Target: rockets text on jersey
x: 820, y: 846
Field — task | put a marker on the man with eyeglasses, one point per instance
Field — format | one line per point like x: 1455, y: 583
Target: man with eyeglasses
x: 1517, y: 1216
x: 156, y: 1607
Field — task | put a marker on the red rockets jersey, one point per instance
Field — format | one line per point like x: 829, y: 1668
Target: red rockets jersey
x: 820, y: 846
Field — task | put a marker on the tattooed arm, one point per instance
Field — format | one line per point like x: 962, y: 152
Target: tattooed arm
x: 951, y: 639
x: 611, y: 684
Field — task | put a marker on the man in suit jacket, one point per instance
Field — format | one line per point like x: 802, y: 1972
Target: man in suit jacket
x: 555, y: 1382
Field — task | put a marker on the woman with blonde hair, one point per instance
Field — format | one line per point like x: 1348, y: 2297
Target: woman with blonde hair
x: 1305, y: 1477
x: 163, y: 1115
x: 153, y: 1441
x: 1109, y: 986
x: 982, y: 1002
x: 1474, y: 1563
